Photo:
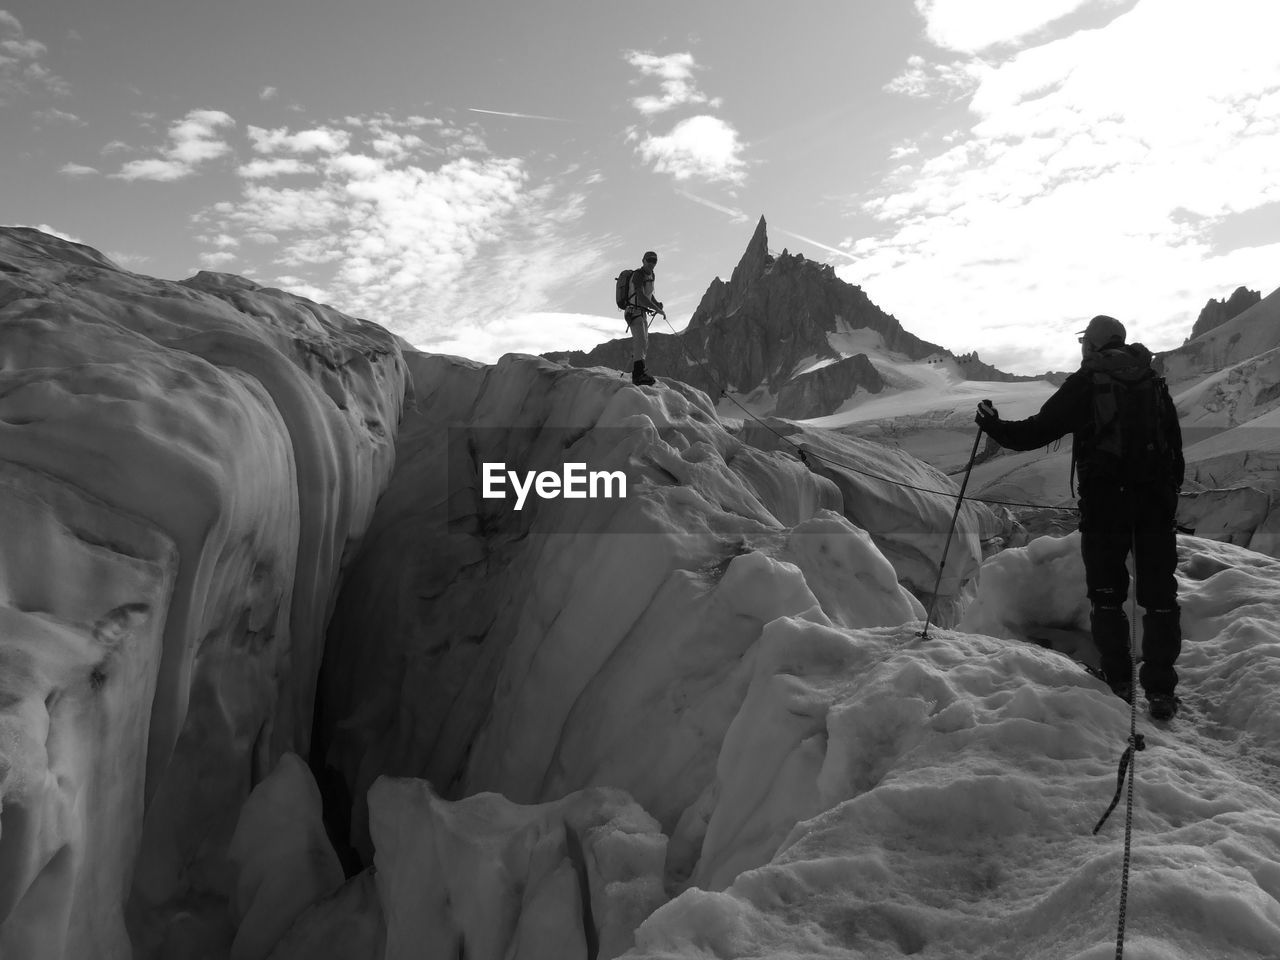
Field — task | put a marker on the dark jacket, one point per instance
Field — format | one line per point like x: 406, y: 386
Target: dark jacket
x: 1070, y: 410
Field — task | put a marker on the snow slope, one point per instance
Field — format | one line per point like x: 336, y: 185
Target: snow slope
x: 937, y: 799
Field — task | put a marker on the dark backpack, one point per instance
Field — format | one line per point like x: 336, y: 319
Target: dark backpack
x: 1130, y: 435
x: 621, y: 294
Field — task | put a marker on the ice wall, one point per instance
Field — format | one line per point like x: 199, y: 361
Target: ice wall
x: 185, y: 467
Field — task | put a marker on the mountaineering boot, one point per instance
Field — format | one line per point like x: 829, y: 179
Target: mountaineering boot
x: 639, y: 377
x: 1163, y: 706
x: 1110, y: 629
x: 1161, y: 644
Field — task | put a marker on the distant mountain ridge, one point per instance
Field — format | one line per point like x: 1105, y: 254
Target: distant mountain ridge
x: 1217, y: 312
x: 772, y: 325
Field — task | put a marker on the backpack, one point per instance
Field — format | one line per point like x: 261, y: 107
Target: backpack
x: 622, y: 286
x: 1130, y: 435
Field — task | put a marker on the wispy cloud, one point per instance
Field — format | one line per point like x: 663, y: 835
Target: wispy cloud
x: 938, y: 81
x: 522, y: 116
x: 1076, y: 190
x: 216, y: 260
x: 56, y: 116
x: 702, y: 147
x: 260, y: 168
x: 537, y: 332
x: 315, y: 140
x: 675, y: 73
x: 973, y: 25
x: 21, y: 68
x: 268, y: 93
x: 403, y: 231
x: 193, y: 141
x: 77, y: 170
x: 128, y: 260
x: 45, y: 228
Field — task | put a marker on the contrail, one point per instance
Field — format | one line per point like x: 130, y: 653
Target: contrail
x: 731, y: 212
x: 740, y: 216
x: 521, y: 116
x: 820, y: 246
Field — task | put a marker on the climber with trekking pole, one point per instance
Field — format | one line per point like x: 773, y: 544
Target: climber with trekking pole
x: 1127, y: 448
x: 633, y: 293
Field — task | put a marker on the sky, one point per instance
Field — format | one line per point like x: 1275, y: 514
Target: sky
x: 473, y: 176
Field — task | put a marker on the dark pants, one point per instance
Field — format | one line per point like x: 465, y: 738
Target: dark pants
x: 1114, y: 522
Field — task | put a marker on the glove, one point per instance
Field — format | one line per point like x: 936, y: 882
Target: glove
x: 986, y: 414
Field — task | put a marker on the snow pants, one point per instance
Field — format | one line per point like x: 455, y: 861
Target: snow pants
x: 1114, y: 522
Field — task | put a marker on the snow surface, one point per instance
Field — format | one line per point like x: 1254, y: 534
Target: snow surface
x: 701, y: 722
x: 942, y: 793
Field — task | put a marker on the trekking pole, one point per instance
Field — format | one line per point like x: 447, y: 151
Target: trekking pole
x: 942, y: 565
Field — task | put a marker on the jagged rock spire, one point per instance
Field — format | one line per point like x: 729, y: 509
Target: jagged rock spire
x: 754, y: 260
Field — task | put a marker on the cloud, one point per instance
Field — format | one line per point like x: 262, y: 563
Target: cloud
x: 969, y: 26
x: 317, y: 140
x: 44, y: 227
x: 217, y: 259
x: 1090, y: 179
x: 945, y: 81
x: 53, y: 115
x: 268, y: 93
x: 128, y: 260
x: 259, y: 168
x: 193, y: 142
x: 77, y: 170
x: 675, y: 71
x: 702, y: 147
x: 21, y: 70
x: 535, y: 333
x: 409, y: 233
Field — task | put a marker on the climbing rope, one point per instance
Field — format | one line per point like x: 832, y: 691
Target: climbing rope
x: 803, y: 455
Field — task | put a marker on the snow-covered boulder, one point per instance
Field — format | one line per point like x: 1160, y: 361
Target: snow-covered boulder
x: 183, y: 469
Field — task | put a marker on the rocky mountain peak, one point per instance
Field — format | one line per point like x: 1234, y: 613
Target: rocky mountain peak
x: 755, y: 259
x: 1218, y: 312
